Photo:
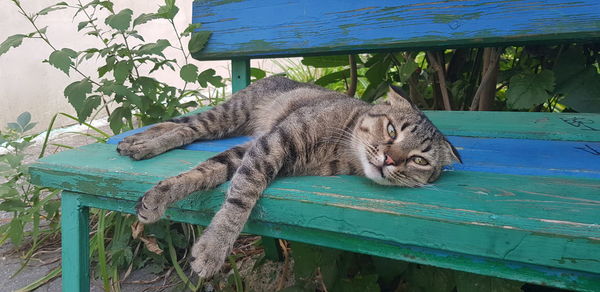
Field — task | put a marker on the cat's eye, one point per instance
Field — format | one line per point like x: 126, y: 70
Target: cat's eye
x: 391, y: 131
x: 420, y: 160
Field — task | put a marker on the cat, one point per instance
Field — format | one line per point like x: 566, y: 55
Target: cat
x: 299, y: 129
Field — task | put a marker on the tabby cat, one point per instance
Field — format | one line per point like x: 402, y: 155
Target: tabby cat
x: 300, y: 129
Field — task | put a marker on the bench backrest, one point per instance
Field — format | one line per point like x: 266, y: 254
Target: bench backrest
x: 283, y: 28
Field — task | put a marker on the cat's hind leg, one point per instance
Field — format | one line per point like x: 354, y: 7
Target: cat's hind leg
x: 205, y: 176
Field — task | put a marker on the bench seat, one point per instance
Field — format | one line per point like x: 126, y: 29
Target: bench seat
x: 523, y: 209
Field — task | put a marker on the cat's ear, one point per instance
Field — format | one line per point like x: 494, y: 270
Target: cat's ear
x: 398, y: 98
x: 454, y: 155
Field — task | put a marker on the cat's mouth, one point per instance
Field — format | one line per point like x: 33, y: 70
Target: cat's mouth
x: 379, y: 168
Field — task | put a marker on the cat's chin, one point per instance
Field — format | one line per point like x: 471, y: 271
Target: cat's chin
x: 373, y: 173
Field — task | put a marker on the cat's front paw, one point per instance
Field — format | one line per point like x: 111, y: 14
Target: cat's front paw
x: 140, y: 149
x: 149, y: 143
x: 209, y: 254
x: 150, y: 207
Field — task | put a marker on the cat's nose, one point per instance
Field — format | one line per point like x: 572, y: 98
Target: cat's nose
x: 388, y: 160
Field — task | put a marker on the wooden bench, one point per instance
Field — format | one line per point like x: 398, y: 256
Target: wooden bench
x: 525, y: 205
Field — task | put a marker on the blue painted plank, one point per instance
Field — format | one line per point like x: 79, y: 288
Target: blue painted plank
x: 211, y: 145
x: 495, y: 155
x: 258, y: 29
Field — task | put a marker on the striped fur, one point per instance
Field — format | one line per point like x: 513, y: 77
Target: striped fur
x: 300, y: 129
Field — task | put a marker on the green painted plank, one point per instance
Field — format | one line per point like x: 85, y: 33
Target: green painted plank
x: 369, y: 245
x: 75, y: 243
x: 240, y: 74
x: 519, y: 125
x: 539, y: 220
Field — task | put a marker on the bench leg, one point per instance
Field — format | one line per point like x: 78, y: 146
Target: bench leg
x: 240, y: 74
x: 75, y: 244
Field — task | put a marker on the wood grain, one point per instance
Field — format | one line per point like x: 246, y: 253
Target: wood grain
x: 279, y: 28
x: 547, y: 221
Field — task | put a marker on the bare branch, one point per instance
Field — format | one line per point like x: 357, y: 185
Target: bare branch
x: 435, y: 62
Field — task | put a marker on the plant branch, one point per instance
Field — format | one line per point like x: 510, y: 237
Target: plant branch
x: 137, y: 73
x: 442, y: 79
x: 353, y: 75
x: 185, y: 56
x: 487, y: 77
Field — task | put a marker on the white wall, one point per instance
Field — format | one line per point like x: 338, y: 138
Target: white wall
x: 27, y: 84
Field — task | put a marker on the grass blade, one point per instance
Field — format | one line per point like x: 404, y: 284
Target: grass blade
x: 41, y: 281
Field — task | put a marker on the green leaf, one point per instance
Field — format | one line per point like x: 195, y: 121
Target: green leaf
x: 15, y: 231
x: 374, y: 91
x: 583, y: 93
x: 29, y: 127
x: 108, y: 5
x: 76, y: 94
x: 326, y: 61
x: 308, y: 257
x: 578, y: 81
x: 333, y: 77
x: 24, y: 119
x: 154, y: 48
x: 12, y: 41
x: 145, y: 17
x: 428, y: 278
x: 12, y: 205
x: 529, y: 89
x: 15, y: 127
x: 208, y: 76
x: 61, y: 59
x: 388, y: 269
x: 122, y: 71
x: 198, y: 41
x: 110, y: 65
x: 57, y: 6
x: 116, y: 119
x: 407, y: 69
x: 149, y: 86
x: 257, y: 73
x: 467, y: 282
x: 120, y: 21
x: 189, y: 73
x: 360, y: 283
x: 191, y: 28
x: 169, y: 10
x: 377, y: 72
x: 82, y: 24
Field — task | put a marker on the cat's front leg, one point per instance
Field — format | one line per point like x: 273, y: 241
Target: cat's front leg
x: 259, y: 167
x: 156, y: 140
x: 207, y: 175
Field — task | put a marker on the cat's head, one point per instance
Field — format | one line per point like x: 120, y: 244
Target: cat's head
x: 398, y: 145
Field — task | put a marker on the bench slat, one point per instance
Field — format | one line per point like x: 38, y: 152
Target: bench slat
x: 487, y: 266
x: 548, y: 221
x: 513, y: 125
x: 279, y: 28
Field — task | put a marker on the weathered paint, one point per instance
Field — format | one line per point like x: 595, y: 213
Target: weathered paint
x: 513, y: 125
x: 581, y: 281
x: 240, y: 74
x: 280, y: 28
x: 495, y: 155
x: 529, y: 219
x: 75, y: 243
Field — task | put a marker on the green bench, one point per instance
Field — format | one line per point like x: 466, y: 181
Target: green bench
x: 525, y: 205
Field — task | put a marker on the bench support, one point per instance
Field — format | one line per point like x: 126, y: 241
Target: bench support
x: 75, y: 243
x: 240, y: 74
